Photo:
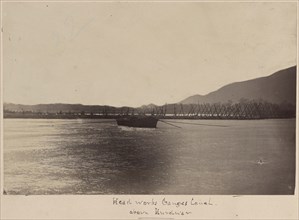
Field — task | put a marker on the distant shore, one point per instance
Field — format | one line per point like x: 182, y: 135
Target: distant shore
x: 99, y: 116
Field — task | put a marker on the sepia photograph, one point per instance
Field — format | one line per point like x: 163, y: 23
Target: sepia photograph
x: 149, y: 98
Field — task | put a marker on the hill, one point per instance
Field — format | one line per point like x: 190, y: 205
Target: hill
x: 277, y: 88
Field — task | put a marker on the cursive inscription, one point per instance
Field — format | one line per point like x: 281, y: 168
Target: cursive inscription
x: 161, y: 207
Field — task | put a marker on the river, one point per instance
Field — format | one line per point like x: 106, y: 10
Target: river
x: 88, y: 156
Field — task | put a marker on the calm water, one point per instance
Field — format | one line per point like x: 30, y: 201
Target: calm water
x: 43, y: 156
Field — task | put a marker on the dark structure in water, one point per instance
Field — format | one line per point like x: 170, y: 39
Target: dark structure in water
x: 138, y: 121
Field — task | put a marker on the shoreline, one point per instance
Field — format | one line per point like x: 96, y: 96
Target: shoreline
x: 66, y: 116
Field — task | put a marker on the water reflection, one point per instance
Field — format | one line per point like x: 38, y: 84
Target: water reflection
x: 98, y: 157
x: 132, y: 162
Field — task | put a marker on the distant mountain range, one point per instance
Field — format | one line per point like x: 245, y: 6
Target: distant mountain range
x: 277, y: 88
x: 54, y: 108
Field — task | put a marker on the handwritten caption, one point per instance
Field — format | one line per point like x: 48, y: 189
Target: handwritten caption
x: 161, y: 207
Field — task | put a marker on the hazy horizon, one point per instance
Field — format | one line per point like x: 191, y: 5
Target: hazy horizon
x: 134, y: 54
x: 139, y: 105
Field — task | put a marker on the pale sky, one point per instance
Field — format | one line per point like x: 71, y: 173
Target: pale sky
x: 130, y: 54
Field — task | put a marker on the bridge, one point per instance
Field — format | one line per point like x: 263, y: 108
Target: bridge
x: 239, y: 111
